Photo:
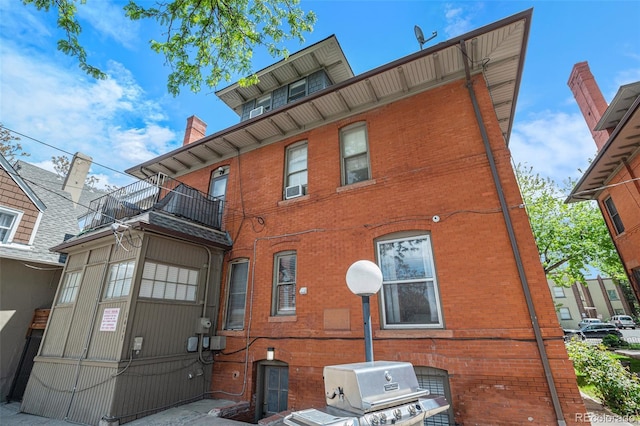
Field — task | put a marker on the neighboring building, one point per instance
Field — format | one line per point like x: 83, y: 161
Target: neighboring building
x: 38, y: 210
x: 406, y: 165
x: 599, y: 298
x: 613, y: 177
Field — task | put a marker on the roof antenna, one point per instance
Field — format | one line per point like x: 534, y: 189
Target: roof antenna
x: 420, y: 35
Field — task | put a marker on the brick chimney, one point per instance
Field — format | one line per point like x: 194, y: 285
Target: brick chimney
x: 78, y: 170
x: 590, y: 100
x: 195, y: 130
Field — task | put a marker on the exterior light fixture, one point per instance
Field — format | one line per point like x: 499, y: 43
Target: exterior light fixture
x: 364, y: 279
x: 271, y: 353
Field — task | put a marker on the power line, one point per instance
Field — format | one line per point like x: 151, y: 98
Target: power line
x: 66, y: 152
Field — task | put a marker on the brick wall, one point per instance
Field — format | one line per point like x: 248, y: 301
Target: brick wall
x: 427, y: 158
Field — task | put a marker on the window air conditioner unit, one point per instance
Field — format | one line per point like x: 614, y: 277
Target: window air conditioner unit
x: 256, y: 112
x: 293, y: 191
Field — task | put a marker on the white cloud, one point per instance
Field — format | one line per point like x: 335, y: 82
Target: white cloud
x: 555, y: 144
x: 459, y: 19
x: 109, y: 20
x: 73, y: 112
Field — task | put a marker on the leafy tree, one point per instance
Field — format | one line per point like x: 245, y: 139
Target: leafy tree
x: 205, y: 41
x: 570, y: 237
x: 8, y: 147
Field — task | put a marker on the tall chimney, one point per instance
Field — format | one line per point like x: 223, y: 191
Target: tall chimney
x: 78, y: 170
x: 590, y: 100
x: 195, y: 130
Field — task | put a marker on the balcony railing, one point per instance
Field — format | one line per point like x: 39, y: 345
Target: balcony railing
x: 156, y: 193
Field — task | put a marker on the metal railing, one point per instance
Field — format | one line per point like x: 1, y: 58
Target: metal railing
x: 156, y: 193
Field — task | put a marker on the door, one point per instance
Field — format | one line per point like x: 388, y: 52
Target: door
x: 276, y: 390
x: 218, y: 189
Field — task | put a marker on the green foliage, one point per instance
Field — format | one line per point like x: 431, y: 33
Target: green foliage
x: 205, y: 41
x: 8, y: 148
x: 616, y: 386
x: 613, y: 341
x: 570, y: 237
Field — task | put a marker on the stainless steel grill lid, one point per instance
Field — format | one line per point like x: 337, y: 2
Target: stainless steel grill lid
x: 369, y: 386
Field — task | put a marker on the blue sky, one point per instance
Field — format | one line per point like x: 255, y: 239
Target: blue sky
x: 130, y: 118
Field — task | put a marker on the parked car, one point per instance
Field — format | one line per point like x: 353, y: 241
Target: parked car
x: 622, y: 321
x: 587, y: 321
x: 570, y: 334
x: 600, y: 330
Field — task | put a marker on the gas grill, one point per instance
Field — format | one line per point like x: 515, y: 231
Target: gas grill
x: 371, y: 394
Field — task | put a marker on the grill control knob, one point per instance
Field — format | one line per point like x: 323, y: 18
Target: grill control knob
x: 412, y: 410
x: 383, y: 418
x: 374, y: 419
x: 397, y: 413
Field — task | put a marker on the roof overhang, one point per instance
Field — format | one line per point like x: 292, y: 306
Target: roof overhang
x: 325, y: 54
x: 496, y: 50
x: 622, y: 145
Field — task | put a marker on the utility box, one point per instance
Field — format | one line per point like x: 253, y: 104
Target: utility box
x: 218, y: 343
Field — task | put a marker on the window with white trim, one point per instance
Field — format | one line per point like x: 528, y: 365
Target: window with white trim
x: 409, y: 287
x: 9, y: 220
x: 70, y: 286
x: 613, y: 294
x: 264, y: 102
x: 354, y: 153
x: 296, y: 166
x: 284, y: 288
x: 565, y: 313
x: 558, y: 292
x: 614, y: 216
x: 237, y: 295
x: 160, y: 281
x: 119, y: 281
x: 297, y: 90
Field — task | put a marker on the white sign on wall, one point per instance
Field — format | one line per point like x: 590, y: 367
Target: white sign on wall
x: 109, y: 319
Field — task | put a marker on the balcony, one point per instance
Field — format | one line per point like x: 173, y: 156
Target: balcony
x: 158, y: 193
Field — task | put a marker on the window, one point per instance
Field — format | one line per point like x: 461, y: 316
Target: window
x: 119, y: 281
x: 354, y: 154
x: 565, y: 313
x: 296, y: 173
x: 69, y: 288
x: 264, y: 102
x: 168, y: 282
x: 409, y: 287
x: 8, y: 224
x: 284, y: 297
x: 237, y: 298
x: 613, y: 295
x: 614, y: 216
x: 558, y: 292
x: 437, y: 382
x: 297, y: 90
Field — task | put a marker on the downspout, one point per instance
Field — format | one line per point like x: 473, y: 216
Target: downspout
x: 514, y: 245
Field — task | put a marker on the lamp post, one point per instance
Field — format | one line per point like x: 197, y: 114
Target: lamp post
x: 364, y: 279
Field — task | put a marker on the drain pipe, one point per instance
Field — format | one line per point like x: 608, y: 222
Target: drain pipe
x: 514, y: 245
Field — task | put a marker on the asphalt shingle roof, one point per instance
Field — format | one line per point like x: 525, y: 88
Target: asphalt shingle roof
x: 59, y: 220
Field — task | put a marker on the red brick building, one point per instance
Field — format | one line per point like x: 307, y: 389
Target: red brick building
x: 406, y: 165
x: 613, y: 177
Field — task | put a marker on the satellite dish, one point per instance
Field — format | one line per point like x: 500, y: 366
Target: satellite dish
x: 420, y: 35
